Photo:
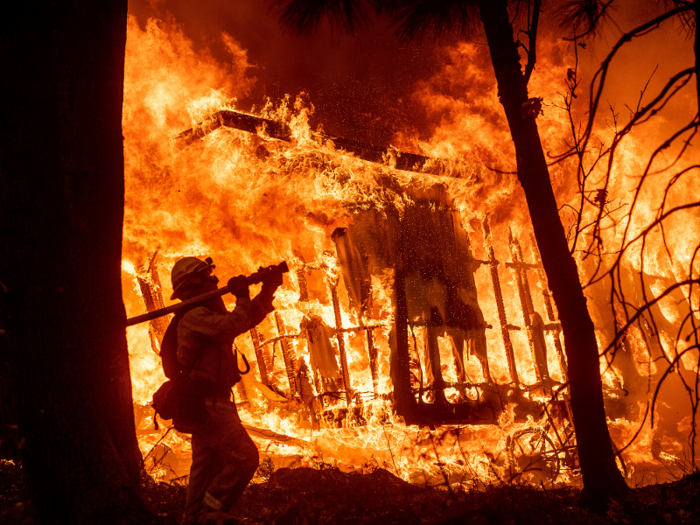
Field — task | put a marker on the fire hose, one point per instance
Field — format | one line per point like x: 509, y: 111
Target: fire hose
x: 255, y: 278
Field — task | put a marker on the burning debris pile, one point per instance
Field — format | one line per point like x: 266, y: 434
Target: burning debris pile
x: 415, y: 330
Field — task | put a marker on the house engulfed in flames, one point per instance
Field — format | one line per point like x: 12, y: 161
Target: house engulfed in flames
x: 389, y: 324
x: 415, y: 331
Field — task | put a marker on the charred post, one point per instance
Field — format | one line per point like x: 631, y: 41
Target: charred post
x: 553, y: 325
x: 341, y: 341
x: 520, y: 272
x: 151, y: 291
x: 287, y: 356
x: 498, y: 293
x: 260, y: 355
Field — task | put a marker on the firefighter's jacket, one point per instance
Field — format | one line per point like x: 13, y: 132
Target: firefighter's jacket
x: 205, y: 337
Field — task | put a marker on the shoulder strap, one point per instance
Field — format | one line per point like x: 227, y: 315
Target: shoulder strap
x: 168, y: 350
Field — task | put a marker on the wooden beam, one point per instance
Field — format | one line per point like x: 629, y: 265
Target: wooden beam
x: 280, y: 131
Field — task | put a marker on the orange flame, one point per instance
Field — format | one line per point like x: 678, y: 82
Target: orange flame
x: 248, y: 200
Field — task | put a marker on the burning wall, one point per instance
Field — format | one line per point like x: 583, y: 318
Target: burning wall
x: 327, y: 384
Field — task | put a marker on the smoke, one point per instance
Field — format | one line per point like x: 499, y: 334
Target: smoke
x: 363, y: 86
x: 360, y: 84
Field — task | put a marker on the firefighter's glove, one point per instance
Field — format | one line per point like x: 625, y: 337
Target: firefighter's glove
x: 238, y: 286
x: 269, y: 287
x: 273, y: 281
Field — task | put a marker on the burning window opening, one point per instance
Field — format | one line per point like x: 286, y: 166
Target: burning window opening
x: 420, y: 260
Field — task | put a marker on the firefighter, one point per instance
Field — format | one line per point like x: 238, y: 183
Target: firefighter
x: 224, y: 457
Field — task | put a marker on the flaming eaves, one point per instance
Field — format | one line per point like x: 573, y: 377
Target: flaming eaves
x: 274, y: 129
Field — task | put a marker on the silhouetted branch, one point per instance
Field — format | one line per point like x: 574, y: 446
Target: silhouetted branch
x: 532, y: 37
x: 598, y: 82
x: 589, y: 14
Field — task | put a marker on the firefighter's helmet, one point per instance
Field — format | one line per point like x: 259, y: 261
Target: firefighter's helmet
x: 187, y: 268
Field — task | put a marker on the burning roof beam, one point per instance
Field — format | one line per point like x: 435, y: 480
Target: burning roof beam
x: 387, y: 155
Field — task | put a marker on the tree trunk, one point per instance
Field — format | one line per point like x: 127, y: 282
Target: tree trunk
x: 696, y: 48
x: 61, y: 210
x: 601, y: 478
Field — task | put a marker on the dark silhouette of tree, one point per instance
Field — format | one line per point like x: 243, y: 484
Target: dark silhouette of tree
x: 61, y: 209
x: 601, y: 477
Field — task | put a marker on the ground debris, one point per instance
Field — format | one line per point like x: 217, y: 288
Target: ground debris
x: 306, y: 496
x: 15, y: 506
x: 166, y: 500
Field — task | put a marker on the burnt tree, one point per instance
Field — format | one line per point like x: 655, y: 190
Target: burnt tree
x: 415, y: 17
x: 61, y: 209
x: 601, y: 476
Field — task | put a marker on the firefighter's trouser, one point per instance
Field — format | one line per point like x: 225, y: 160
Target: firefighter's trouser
x: 224, y: 460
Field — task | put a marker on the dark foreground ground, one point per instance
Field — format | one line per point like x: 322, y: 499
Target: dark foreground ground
x: 307, y: 496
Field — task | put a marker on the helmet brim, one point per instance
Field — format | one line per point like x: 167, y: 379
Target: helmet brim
x: 196, y: 272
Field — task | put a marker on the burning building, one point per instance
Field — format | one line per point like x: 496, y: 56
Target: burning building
x: 415, y: 330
